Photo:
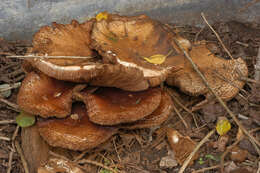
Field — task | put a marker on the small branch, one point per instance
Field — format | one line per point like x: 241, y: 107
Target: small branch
x: 188, y: 159
x: 219, y: 39
x: 13, y: 105
x: 7, y: 122
x: 182, y: 106
x: 97, y: 164
x: 250, y: 80
x: 114, y: 143
x: 49, y: 57
x: 257, y: 66
x: 222, y: 158
x: 5, y: 138
x: 10, y: 161
x: 15, y: 133
x: 209, y: 168
x: 20, y: 152
x: 180, y: 116
x: 15, y: 85
x: 195, y: 67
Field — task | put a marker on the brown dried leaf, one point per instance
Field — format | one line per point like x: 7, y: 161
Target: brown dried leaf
x: 238, y: 154
x: 182, y: 146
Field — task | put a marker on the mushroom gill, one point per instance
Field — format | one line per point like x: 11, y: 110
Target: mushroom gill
x: 45, y: 96
x: 75, y: 132
x: 111, y: 106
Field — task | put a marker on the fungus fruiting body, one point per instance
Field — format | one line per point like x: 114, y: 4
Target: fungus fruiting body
x: 125, y: 59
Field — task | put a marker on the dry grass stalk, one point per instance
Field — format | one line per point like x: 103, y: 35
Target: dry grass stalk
x: 188, y: 159
x: 218, y: 37
x: 20, y: 152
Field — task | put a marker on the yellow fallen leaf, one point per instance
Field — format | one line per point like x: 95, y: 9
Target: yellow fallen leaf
x: 102, y: 15
x: 223, y: 126
x: 157, y: 59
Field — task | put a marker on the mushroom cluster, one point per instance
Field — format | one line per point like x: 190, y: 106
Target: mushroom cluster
x: 104, y: 76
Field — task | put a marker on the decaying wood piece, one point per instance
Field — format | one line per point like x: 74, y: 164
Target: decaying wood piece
x: 35, y: 149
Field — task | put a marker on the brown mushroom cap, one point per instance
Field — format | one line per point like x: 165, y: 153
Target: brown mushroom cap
x: 216, y: 70
x: 111, y: 106
x: 126, y: 40
x: 73, y: 40
x: 74, y: 133
x: 45, y: 96
x: 156, y: 118
x: 64, y: 40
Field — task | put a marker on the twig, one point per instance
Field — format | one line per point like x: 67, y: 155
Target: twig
x: 10, y: 161
x: 250, y: 80
x: 5, y: 138
x: 58, y: 155
x: 258, y: 170
x: 209, y: 168
x: 48, y: 57
x: 214, y: 93
x: 15, y: 85
x: 257, y: 66
x: 20, y: 152
x: 197, y: 35
x: 7, y: 122
x: 97, y: 164
x: 184, y: 107
x: 219, y: 39
x: 180, y: 116
x: 188, y: 159
x: 114, y: 143
x: 230, y: 147
x: 243, y: 44
x: 225, y: 153
x: 15, y: 133
x: 81, y: 155
x: 14, y: 106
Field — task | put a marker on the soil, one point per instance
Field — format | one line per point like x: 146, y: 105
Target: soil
x: 142, y: 150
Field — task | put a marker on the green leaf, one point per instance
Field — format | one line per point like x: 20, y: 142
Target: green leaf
x: 201, y: 161
x: 211, y: 157
x: 25, y: 119
x: 105, y: 171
